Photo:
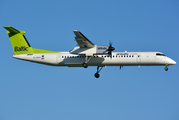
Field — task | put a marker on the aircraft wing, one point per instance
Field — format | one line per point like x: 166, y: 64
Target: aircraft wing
x: 82, y: 41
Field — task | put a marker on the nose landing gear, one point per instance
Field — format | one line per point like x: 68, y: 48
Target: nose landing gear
x: 166, y: 68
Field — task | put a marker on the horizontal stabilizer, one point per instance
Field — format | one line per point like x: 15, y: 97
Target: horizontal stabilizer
x: 11, y: 29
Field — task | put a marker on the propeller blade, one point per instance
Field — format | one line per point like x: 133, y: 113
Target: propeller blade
x: 110, y: 49
x: 109, y: 52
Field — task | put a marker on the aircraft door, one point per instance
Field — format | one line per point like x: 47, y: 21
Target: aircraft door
x: 59, y: 58
x: 138, y: 58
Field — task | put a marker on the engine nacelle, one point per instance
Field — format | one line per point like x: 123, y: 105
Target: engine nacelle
x: 96, y: 50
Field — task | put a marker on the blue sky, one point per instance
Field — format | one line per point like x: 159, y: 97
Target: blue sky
x: 33, y: 91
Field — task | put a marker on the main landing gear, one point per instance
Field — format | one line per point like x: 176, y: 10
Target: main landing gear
x: 87, y: 58
x: 97, y: 73
x: 85, y: 65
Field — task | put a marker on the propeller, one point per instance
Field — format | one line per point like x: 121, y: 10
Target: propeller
x: 110, y: 49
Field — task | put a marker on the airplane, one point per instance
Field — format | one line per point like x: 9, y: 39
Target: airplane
x: 84, y: 55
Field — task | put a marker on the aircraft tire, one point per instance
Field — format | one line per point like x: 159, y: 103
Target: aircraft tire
x: 166, y: 68
x: 85, y: 65
x: 96, y: 75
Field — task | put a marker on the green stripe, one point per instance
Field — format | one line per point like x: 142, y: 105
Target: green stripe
x: 42, y: 51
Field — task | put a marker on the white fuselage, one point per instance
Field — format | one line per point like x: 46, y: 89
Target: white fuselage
x: 117, y: 59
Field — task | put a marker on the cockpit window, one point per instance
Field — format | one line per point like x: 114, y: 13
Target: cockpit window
x: 160, y: 54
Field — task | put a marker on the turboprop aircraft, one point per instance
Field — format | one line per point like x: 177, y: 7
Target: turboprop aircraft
x: 86, y: 54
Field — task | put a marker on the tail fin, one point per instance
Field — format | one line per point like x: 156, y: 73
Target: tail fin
x: 20, y: 44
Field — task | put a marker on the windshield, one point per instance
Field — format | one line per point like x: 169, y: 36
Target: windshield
x: 160, y: 54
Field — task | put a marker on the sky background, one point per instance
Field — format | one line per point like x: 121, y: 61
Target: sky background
x: 30, y: 91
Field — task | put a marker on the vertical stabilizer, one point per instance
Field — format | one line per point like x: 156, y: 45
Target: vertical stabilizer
x: 19, y: 43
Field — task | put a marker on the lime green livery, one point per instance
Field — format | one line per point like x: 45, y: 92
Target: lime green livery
x: 20, y: 44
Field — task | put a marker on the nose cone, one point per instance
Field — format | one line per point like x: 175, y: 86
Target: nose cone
x: 171, y: 62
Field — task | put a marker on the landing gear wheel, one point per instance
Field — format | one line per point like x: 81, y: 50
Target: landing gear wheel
x: 166, y: 68
x: 98, y: 70
x: 85, y: 65
x: 96, y: 75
